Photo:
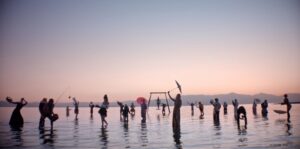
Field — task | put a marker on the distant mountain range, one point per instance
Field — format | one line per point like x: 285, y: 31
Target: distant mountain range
x: 187, y: 99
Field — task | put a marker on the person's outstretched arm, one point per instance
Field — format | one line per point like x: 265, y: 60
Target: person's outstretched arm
x: 171, y: 96
x: 8, y: 99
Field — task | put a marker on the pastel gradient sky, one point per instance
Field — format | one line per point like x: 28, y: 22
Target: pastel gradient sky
x: 128, y: 48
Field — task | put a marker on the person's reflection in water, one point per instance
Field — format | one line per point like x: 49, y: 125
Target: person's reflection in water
x: 143, y: 137
x: 76, y: 131
x: 126, y: 134
x: 288, y: 130
x: 17, y: 136
x: 48, y: 136
x: 104, y: 137
x: 177, y: 136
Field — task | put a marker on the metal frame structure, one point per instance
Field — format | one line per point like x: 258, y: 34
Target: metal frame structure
x: 165, y: 93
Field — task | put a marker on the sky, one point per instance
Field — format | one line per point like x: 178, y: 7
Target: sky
x: 129, y: 48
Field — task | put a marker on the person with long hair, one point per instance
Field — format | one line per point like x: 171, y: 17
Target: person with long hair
x: 176, y: 111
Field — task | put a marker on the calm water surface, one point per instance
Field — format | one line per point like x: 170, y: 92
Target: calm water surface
x: 86, y: 132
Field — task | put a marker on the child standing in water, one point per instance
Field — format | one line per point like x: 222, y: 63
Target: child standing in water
x: 125, y: 113
x: 201, y: 108
x: 176, y: 110
x: 103, y: 113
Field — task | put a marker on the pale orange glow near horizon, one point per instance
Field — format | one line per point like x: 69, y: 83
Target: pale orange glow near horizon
x: 128, y: 50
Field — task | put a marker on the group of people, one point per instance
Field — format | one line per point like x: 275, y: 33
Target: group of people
x: 46, y: 110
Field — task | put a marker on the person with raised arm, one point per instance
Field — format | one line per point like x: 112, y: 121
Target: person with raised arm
x: 16, y: 119
x: 176, y: 111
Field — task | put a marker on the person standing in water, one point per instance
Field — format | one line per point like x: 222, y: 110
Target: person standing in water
x: 235, y: 105
x: 201, y: 108
x: 43, y: 108
x: 16, y: 119
x: 176, y: 111
x: 225, y: 107
x: 158, y: 103
x: 192, y: 108
x: 288, y: 106
x: 254, y: 107
x: 67, y: 111
x: 264, y: 108
x: 50, y: 115
x: 103, y: 113
x: 76, y: 107
x: 91, y: 105
x: 143, y: 111
x: 125, y: 113
x: 217, y: 107
x: 132, y: 110
x: 163, y: 111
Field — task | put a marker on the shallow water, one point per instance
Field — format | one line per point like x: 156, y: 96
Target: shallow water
x: 86, y: 132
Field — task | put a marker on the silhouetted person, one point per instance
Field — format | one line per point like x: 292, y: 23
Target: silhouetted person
x: 264, y: 108
x: 121, y: 109
x: 143, y: 111
x: 132, y: 110
x: 242, y: 115
x: 76, y: 107
x: 103, y: 113
x: 192, y: 108
x: 91, y: 105
x: 235, y: 105
x: 16, y: 119
x: 254, y: 107
x: 158, y: 103
x: 50, y: 115
x: 163, y: 111
x: 125, y: 113
x: 217, y: 107
x: 201, y: 108
x: 43, y: 108
x: 68, y: 111
x: 176, y: 110
x: 225, y: 107
x: 288, y: 106
x: 105, y: 101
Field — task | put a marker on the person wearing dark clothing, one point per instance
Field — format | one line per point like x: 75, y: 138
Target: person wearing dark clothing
x: 163, y: 111
x: 103, y: 113
x: 50, y: 115
x: 158, y: 103
x: 16, y: 119
x: 76, y: 107
x: 43, y: 108
x: 125, y: 113
x: 264, y: 108
x: 242, y: 115
x: 132, y: 110
x: 201, y: 108
x: 143, y: 111
x: 225, y: 107
x: 91, y: 105
x: 176, y: 111
x: 217, y: 107
x: 288, y: 106
x: 192, y: 108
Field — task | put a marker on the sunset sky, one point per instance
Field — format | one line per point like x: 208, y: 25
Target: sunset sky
x: 128, y: 48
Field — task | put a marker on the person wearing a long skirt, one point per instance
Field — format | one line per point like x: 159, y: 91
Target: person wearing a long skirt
x: 176, y: 111
x: 16, y: 119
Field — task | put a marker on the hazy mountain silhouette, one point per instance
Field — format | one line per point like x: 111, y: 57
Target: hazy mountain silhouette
x: 186, y: 99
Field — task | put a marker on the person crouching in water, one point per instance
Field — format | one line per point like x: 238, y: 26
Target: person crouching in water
x: 242, y: 115
x: 103, y: 113
x: 264, y: 108
x: 132, y: 110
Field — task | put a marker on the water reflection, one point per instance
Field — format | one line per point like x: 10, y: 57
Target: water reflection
x: 104, y: 137
x: 48, y: 136
x: 126, y: 134
x: 17, y: 136
x: 177, y: 136
x: 144, y: 139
